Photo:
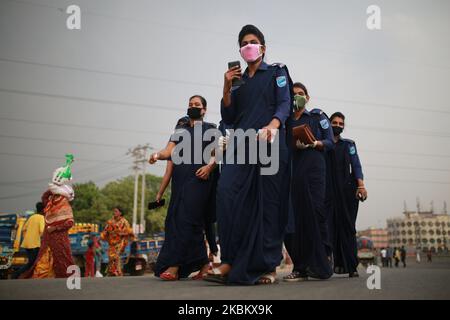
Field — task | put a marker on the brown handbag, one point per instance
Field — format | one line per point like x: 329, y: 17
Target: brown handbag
x: 304, y: 134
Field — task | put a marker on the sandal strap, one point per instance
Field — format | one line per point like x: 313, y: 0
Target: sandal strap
x: 293, y: 275
x: 215, y: 271
x: 265, y: 277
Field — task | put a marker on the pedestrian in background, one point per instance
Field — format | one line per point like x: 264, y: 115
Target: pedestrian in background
x: 389, y: 256
x: 383, y: 254
x: 418, y: 255
x: 31, y: 234
x: 429, y: 258
x: 89, y: 258
x: 98, y: 256
x: 117, y: 233
x: 396, y: 256
x: 403, y: 256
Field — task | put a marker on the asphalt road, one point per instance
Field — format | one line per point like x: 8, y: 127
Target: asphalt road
x: 417, y: 281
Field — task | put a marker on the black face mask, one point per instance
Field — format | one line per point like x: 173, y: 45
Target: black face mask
x: 194, y: 113
x: 337, y: 131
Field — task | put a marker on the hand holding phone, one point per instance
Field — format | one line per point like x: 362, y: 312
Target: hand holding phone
x: 234, y: 73
x: 156, y: 204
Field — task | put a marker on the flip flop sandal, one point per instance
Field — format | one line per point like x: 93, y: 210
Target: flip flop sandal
x: 167, y: 276
x: 267, y: 279
x: 294, y: 277
x: 216, y: 276
x: 199, y: 276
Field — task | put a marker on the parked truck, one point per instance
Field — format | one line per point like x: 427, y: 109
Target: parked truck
x: 12, y: 257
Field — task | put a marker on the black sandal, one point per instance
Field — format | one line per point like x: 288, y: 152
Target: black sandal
x: 267, y: 278
x: 216, y: 276
x: 295, y: 276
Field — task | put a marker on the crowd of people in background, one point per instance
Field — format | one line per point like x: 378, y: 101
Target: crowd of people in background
x: 393, y: 256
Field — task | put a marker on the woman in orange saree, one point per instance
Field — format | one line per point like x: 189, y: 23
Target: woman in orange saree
x: 117, y: 233
x: 55, y: 255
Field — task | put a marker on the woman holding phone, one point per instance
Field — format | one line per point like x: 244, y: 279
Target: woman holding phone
x: 184, y: 249
x: 250, y: 215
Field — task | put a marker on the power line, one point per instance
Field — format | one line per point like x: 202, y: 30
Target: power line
x: 83, y: 126
x: 64, y: 141
x: 384, y: 105
x: 102, y: 178
x: 80, y: 173
x: 129, y: 75
x: 23, y: 195
x: 408, y: 181
x: 111, y: 73
x: 401, y: 131
x: 406, y: 167
x: 406, y: 153
x: 363, y: 128
x: 94, y: 100
x: 210, y: 31
x: 51, y: 157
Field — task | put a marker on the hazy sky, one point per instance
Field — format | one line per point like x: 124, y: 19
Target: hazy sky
x: 125, y: 78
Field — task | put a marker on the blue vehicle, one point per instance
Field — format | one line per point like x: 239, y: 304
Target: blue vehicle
x: 12, y: 257
x: 136, y: 258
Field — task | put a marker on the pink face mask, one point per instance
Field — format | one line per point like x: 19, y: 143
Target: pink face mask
x: 251, y: 52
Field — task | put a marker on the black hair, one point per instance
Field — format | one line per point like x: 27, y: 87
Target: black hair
x: 203, y: 100
x: 337, y: 115
x: 122, y: 212
x: 301, y: 86
x: 39, y: 207
x: 251, y: 29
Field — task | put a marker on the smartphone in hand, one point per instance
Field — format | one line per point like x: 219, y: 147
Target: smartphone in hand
x: 156, y: 204
x: 236, y: 82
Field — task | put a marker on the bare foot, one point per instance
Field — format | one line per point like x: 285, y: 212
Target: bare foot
x: 172, y: 270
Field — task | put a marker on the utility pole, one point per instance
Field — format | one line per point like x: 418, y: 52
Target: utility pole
x: 144, y: 164
x: 135, y: 200
x: 139, y: 153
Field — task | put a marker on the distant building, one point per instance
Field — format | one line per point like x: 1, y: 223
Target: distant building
x: 378, y: 236
x: 420, y: 229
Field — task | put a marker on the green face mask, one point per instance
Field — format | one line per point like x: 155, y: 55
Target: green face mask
x: 299, y: 102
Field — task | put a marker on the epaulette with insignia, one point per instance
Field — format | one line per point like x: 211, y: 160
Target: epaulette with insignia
x: 210, y: 124
x: 316, y: 111
x: 182, y: 122
x: 348, y: 140
x: 278, y: 64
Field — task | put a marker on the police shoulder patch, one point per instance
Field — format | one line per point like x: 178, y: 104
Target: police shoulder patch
x: 324, y: 124
x: 352, y: 150
x: 281, y: 81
